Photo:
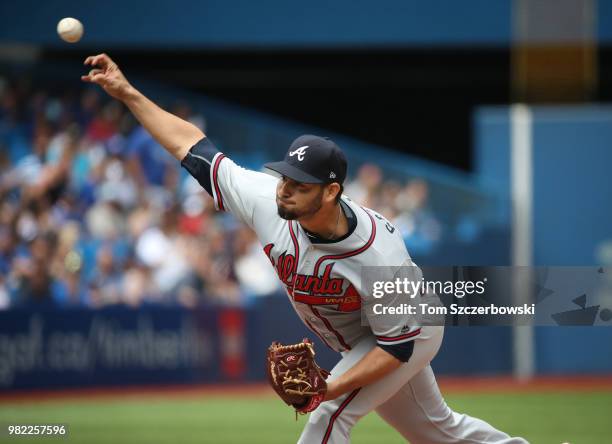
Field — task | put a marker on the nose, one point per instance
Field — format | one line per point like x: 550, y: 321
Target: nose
x: 284, y: 190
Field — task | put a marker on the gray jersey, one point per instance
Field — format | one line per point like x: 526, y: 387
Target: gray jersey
x: 322, y: 280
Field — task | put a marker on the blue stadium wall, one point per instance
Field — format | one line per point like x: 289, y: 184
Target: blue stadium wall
x: 243, y: 23
x: 572, y: 211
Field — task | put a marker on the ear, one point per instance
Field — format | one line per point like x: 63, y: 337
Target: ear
x: 331, y: 191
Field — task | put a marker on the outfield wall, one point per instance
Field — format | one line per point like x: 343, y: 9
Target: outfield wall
x: 162, y: 345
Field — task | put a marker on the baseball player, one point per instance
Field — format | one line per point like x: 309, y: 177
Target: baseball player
x: 318, y: 241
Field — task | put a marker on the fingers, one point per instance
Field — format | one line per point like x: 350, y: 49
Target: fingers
x: 95, y: 76
x: 94, y: 60
x: 100, y: 79
x: 90, y: 76
x: 101, y: 60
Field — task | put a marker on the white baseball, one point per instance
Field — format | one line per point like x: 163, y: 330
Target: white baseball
x: 70, y: 29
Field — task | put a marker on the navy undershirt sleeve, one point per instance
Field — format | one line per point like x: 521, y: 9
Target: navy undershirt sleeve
x: 401, y: 351
x: 198, y: 161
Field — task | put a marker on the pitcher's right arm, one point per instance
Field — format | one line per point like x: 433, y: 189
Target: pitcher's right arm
x: 176, y: 135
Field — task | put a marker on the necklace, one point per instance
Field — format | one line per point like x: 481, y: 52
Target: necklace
x: 333, y: 233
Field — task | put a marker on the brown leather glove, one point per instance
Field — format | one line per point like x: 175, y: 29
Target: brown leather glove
x: 295, y: 376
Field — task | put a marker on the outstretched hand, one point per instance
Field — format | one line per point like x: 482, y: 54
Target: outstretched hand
x: 107, y: 74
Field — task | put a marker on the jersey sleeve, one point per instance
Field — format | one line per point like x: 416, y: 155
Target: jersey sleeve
x: 233, y: 188
x: 397, y: 327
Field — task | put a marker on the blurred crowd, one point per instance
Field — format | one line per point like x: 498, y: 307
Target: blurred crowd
x: 93, y: 212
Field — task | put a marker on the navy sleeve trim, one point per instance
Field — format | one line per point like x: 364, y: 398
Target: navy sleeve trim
x: 395, y: 339
x: 198, y: 162
x: 402, y: 351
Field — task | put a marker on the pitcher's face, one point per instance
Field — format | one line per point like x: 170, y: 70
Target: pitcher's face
x: 295, y: 200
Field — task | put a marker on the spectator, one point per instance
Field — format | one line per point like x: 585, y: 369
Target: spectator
x: 252, y: 266
x: 105, y: 285
x: 415, y: 220
x: 364, y: 189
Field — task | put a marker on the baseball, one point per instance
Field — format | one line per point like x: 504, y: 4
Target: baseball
x: 70, y: 29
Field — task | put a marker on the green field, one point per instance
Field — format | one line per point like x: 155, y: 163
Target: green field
x: 578, y: 418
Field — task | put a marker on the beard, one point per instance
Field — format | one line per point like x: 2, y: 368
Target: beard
x: 286, y: 214
x: 311, y: 208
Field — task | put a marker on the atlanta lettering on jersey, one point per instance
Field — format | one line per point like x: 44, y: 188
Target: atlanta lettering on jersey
x: 313, y: 290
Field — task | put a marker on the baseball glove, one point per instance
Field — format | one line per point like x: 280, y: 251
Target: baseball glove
x: 295, y: 376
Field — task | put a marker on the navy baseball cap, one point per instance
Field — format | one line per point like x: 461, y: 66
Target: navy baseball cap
x: 312, y: 159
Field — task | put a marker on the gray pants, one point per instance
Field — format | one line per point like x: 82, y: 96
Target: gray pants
x: 408, y: 399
